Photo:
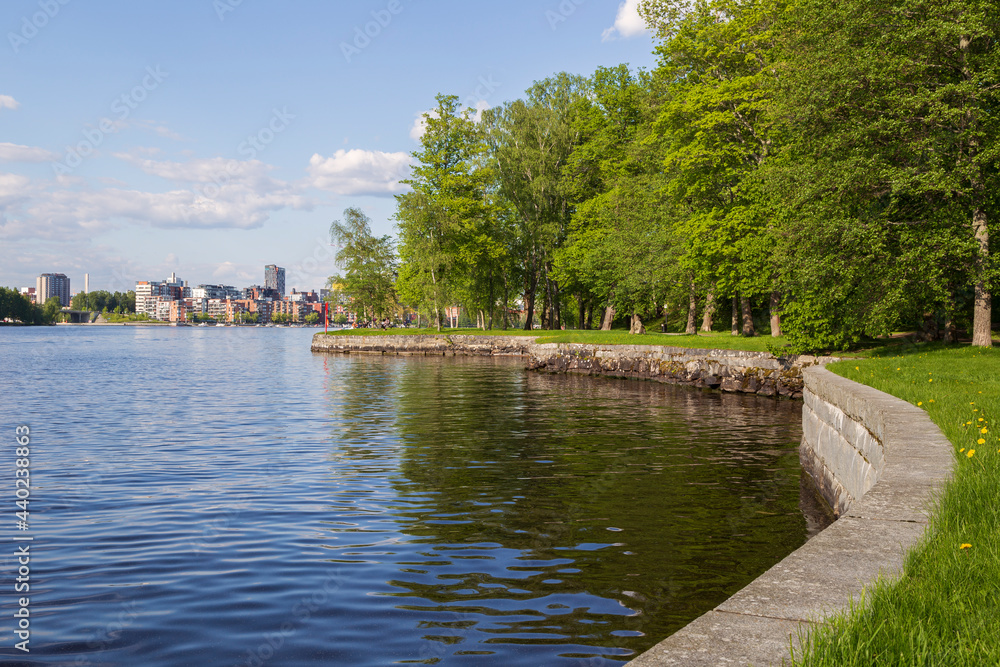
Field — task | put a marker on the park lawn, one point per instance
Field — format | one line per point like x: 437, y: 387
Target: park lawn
x: 713, y: 340
x: 945, y: 609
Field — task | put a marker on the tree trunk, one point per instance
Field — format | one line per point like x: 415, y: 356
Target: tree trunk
x: 637, y: 327
x: 736, y: 314
x: 930, y: 326
x: 582, y: 312
x: 666, y: 317
x: 949, y: 318
x: 609, y: 318
x: 590, y: 316
x: 707, y: 319
x: 982, y: 315
x: 775, y: 313
x: 529, y: 307
x: 747, y: 316
x: 691, y: 329
x: 556, y: 310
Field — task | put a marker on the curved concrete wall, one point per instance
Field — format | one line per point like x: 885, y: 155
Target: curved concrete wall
x: 879, y: 461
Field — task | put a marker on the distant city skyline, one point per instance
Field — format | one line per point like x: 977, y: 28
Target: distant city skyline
x: 209, y: 139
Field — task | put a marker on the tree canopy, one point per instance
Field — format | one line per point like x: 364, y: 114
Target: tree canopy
x: 822, y: 170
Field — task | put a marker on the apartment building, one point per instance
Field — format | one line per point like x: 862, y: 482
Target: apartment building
x: 49, y: 285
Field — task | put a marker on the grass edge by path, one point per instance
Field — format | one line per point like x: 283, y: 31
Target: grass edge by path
x: 713, y: 340
x: 942, y: 610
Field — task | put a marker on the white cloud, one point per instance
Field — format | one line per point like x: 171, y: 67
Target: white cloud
x: 223, y: 193
x: 359, y: 172
x: 18, y: 153
x: 13, y: 189
x: 628, y: 23
x: 62, y: 211
x: 8, y: 102
x: 480, y: 107
x: 225, y: 270
x: 217, y: 170
x: 420, y: 124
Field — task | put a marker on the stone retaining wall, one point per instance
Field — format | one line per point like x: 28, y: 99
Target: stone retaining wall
x: 728, y: 370
x: 880, y: 462
x: 424, y: 345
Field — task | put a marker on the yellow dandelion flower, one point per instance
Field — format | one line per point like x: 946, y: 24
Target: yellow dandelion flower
x: 980, y: 419
x: 932, y: 400
x: 966, y: 546
x: 919, y: 403
x: 980, y: 442
x: 857, y: 368
x: 930, y: 379
x: 984, y: 430
x: 961, y: 450
x: 971, y: 453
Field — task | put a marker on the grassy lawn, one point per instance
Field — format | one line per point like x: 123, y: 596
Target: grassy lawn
x: 713, y: 340
x: 945, y: 610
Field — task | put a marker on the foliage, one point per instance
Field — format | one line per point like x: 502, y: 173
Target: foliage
x: 889, y: 110
x: 834, y: 163
x: 17, y: 307
x: 369, y: 264
x: 455, y: 238
x: 530, y: 144
x: 103, y: 301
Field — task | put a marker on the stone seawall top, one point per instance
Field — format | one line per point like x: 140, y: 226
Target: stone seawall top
x: 424, y: 344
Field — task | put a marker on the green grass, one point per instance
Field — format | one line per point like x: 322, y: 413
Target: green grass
x: 713, y: 340
x: 945, y: 609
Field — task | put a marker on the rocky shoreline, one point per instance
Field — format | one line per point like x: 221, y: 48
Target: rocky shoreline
x: 726, y: 370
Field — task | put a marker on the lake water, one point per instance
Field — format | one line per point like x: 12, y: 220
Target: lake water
x: 207, y: 496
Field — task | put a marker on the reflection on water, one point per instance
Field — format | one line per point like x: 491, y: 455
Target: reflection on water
x: 226, y: 497
x: 558, y: 516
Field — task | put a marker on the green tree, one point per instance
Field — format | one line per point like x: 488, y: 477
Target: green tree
x: 51, y: 310
x: 618, y: 253
x: 891, y: 113
x: 18, y: 307
x: 369, y: 264
x: 530, y: 142
x: 717, y: 74
x: 454, y: 245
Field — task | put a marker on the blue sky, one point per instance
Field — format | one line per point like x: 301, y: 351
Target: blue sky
x: 212, y: 137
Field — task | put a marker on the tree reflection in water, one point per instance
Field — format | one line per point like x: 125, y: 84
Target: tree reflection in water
x: 553, y: 515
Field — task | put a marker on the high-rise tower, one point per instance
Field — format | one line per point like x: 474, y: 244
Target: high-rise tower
x: 274, y: 278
